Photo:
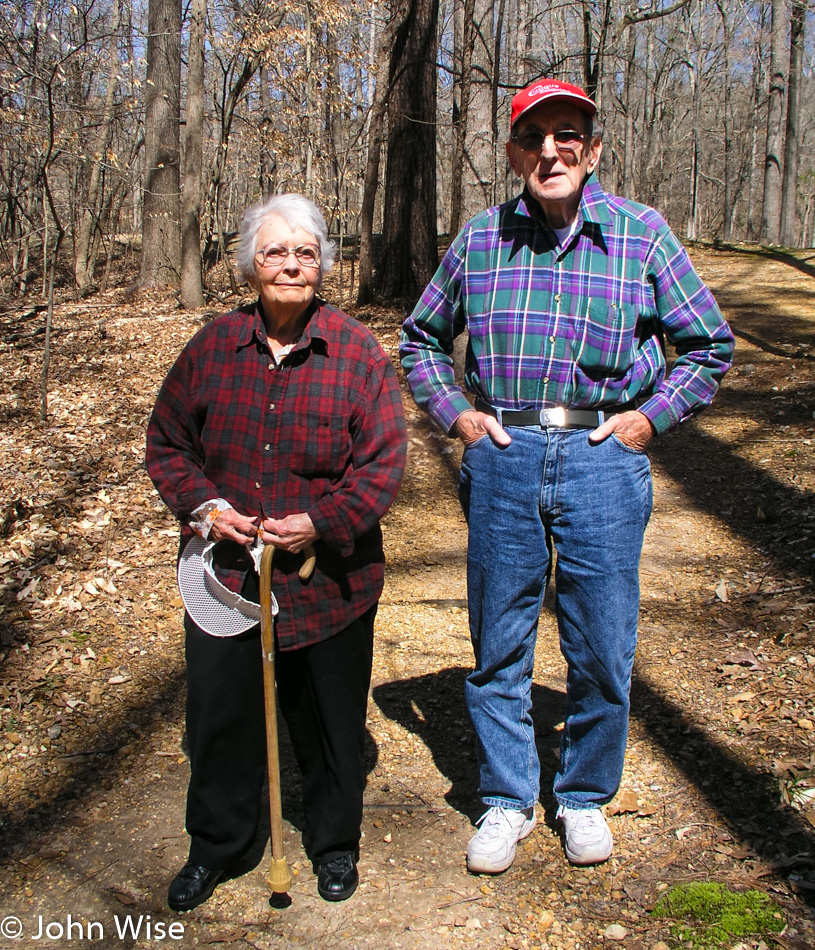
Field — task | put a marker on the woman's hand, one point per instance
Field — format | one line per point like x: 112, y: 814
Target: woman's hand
x: 230, y: 526
x: 292, y: 533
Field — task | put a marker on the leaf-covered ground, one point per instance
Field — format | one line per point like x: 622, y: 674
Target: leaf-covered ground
x: 721, y: 765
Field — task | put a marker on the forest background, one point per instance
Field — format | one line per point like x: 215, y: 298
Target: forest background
x: 127, y: 125
x: 132, y: 137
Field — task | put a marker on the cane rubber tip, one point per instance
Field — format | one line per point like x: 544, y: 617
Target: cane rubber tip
x: 279, y: 901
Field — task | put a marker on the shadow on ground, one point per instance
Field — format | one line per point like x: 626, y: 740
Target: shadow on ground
x: 97, y: 762
x: 432, y: 708
x: 746, y: 799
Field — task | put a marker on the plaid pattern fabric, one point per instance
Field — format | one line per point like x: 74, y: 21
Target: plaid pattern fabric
x: 579, y: 326
x: 322, y: 433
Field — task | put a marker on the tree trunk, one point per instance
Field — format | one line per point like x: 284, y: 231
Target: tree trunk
x: 628, y: 135
x: 192, y: 292
x: 84, y: 261
x: 410, y: 254
x: 161, y: 236
x: 753, y: 223
x: 379, y: 96
x: 461, y: 113
x: 771, y: 214
x: 268, y: 164
x: 789, y: 188
x: 309, y: 106
x: 726, y: 123
x: 231, y: 101
x: 693, y: 178
x: 499, y: 159
x: 479, y: 161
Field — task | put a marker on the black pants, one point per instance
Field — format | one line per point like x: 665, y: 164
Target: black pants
x: 323, y: 696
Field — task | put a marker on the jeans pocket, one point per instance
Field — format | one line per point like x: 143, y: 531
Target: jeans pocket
x: 616, y: 440
x: 479, y: 441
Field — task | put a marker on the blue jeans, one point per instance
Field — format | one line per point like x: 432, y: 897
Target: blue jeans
x: 593, y: 502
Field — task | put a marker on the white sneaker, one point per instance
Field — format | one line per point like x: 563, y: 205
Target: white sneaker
x: 588, y: 840
x: 492, y: 848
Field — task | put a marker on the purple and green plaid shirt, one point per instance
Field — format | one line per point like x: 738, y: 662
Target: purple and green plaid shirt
x: 580, y: 326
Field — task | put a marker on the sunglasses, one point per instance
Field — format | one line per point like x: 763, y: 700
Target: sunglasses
x: 566, y: 140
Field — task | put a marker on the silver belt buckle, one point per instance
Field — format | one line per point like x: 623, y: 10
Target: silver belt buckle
x: 553, y: 417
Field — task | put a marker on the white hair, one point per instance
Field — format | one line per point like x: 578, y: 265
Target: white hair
x: 298, y: 212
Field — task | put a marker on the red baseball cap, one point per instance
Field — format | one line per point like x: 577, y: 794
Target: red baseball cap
x: 549, y: 90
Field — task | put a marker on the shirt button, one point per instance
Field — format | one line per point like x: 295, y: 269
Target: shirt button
x: 557, y: 297
x: 267, y: 446
x: 271, y: 405
x: 546, y: 379
x: 552, y: 338
x: 257, y: 484
x: 271, y: 365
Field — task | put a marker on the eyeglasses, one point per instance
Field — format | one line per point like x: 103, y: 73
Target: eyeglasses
x: 275, y: 254
x: 566, y: 140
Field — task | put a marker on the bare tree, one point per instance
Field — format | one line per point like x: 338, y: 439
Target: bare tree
x: 161, y: 236
x: 771, y: 214
x: 463, y: 57
x: 84, y: 264
x: 192, y: 293
x: 410, y: 255
x: 789, y: 188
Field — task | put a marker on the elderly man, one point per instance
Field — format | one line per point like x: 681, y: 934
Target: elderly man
x: 568, y: 295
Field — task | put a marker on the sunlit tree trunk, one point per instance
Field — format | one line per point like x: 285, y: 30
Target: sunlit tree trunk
x: 192, y: 292
x: 161, y: 235
x: 789, y: 188
x: 771, y: 214
x: 461, y: 111
x: 268, y: 164
x: 84, y: 259
x: 480, y: 162
x: 727, y: 119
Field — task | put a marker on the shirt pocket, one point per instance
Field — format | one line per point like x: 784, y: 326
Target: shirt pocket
x: 606, y: 344
x: 320, y: 447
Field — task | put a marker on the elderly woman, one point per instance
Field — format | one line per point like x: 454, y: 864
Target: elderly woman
x: 282, y: 419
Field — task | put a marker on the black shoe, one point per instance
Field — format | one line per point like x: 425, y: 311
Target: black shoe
x: 337, y: 879
x: 192, y: 886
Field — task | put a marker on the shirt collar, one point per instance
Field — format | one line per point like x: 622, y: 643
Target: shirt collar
x: 593, y: 206
x: 314, y: 335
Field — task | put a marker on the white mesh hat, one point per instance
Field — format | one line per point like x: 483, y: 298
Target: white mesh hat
x: 216, y: 609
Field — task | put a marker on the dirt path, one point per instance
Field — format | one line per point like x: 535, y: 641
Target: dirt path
x: 91, y: 700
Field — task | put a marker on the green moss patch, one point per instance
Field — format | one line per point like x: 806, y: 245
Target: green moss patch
x: 709, y: 915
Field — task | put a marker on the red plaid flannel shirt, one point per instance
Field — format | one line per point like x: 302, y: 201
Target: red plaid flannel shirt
x: 323, y: 432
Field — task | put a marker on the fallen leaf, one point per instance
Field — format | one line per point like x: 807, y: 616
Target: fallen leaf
x: 744, y: 697
x: 741, y: 658
x: 625, y: 802
x: 122, y: 896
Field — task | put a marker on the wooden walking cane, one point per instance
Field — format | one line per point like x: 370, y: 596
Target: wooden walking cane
x: 279, y: 875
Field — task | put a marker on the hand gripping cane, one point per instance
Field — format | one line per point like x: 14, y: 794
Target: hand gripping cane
x: 279, y: 876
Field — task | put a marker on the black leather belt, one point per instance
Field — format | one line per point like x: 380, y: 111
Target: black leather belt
x: 555, y: 418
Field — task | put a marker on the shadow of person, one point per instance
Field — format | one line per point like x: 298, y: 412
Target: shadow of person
x: 432, y: 708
